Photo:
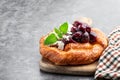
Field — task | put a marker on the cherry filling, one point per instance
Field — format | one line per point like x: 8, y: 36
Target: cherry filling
x: 81, y: 32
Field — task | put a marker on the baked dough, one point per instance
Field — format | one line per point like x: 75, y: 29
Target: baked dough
x: 75, y: 53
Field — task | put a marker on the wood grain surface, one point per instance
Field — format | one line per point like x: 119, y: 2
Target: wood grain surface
x: 47, y: 66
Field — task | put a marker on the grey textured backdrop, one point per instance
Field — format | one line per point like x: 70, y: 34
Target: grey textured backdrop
x: 23, y: 22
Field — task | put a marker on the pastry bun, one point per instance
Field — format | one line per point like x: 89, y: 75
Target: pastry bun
x: 75, y: 53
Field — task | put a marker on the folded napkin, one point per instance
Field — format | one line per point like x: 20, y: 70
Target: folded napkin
x: 109, y: 63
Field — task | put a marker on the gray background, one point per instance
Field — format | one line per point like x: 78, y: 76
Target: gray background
x: 23, y: 22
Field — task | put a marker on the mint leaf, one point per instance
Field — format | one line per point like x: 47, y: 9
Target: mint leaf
x: 50, y: 39
x: 58, y: 32
x: 64, y: 28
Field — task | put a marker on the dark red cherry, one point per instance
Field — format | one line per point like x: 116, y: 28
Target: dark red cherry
x: 77, y: 36
x: 71, y: 40
x: 81, y: 28
x: 77, y: 23
x: 74, y: 29
x: 88, y: 29
x: 85, y: 38
x: 93, y: 37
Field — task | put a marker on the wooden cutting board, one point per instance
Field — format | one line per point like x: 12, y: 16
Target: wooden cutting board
x: 47, y: 66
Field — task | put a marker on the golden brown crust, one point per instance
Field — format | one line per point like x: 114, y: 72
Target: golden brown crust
x: 75, y: 53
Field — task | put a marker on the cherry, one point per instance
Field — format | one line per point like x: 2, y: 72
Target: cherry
x: 77, y: 23
x: 88, y: 29
x: 93, y: 37
x: 81, y: 28
x: 71, y: 40
x: 85, y: 37
x: 77, y: 36
x: 73, y: 29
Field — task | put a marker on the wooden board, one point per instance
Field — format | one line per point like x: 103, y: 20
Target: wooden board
x: 47, y: 66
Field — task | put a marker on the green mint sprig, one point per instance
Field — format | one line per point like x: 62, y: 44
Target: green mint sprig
x: 58, y: 32
x: 64, y: 28
x: 52, y: 38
